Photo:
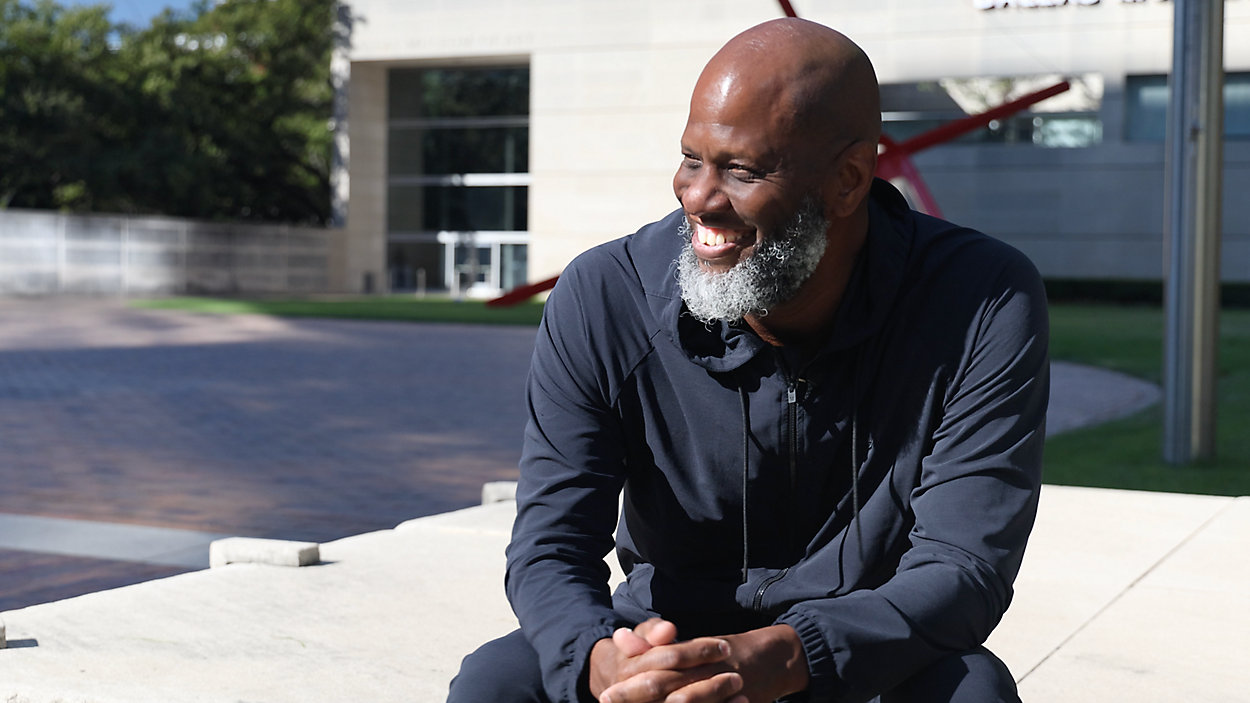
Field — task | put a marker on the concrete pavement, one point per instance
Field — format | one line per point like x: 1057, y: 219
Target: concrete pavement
x: 106, y: 540
x: 1124, y: 596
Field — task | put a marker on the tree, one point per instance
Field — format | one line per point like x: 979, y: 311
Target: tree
x: 221, y: 113
x: 58, y: 99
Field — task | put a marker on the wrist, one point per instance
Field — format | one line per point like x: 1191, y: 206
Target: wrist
x: 784, y: 653
x: 595, y: 678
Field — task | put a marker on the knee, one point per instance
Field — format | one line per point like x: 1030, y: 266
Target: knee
x: 503, y: 670
x: 976, y: 676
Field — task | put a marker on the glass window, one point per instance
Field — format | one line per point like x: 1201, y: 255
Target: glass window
x: 1067, y: 120
x: 473, y: 264
x: 1066, y: 132
x: 1237, y: 106
x: 457, y: 208
x: 1147, y: 107
x: 447, y: 150
x: 424, y: 93
x: 458, y: 165
x: 416, y: 265
x: 513, y: 266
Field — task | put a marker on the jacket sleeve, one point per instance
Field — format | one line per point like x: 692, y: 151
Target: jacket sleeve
x: 567, y: 497
x: 974, y: 507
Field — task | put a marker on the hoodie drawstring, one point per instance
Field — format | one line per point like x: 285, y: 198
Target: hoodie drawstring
x: 855, y: 400
x: 746, y: 466
x: 859, y: 532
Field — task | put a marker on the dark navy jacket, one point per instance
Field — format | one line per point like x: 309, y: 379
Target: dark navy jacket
x: 880, y: 496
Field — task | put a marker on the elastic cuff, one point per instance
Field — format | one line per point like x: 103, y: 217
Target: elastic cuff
x: 821, y: 671
x: 579, y: 683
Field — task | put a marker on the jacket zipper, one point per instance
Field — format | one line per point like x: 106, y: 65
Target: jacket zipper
x: 759, y: 593
x: 793, y: 396
x: 792, y: 417
x: 792, y: 407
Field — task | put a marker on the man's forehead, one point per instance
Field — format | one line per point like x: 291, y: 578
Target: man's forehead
x: 722, y: 87
x: 743, y: 101
x: 749, y: 67
x: 740, y: 89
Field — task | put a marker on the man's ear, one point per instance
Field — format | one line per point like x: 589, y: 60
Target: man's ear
x: 852, y: 180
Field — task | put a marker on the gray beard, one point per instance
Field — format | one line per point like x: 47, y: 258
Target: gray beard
x: 772, y: 275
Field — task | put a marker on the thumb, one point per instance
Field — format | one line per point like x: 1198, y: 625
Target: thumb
x: 628, y: 643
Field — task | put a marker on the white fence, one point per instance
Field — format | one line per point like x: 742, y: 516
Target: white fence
x: 43, y: 253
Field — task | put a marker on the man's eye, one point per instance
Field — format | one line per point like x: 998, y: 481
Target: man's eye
x: 744, y: 173
x: 690, y: 162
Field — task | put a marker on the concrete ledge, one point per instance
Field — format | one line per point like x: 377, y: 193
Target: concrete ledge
x: 498, y: 491
x: 251, y: 550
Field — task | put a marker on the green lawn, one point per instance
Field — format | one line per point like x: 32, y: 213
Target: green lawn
x: 1127, y: 453
x: 406, y: 308
x: 1121, y: 454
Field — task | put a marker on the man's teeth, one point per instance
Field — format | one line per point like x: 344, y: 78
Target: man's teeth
x: 712, y: 237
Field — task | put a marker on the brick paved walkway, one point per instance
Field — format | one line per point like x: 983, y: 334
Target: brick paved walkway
x: 299, y: 429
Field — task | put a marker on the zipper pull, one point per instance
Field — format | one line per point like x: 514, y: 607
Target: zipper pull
x: 792, y: 391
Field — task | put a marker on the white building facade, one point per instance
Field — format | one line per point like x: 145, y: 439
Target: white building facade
x: 488, y: 142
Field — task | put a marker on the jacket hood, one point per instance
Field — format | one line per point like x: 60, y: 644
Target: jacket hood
x: 723, y: 347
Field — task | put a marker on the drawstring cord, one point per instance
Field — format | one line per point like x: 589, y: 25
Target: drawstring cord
x: 746, y: 465
x: 855, y: 400
x: 859, y: 532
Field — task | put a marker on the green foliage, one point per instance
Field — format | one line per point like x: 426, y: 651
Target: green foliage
x: 222, y: 113
x: 1128, y: 453
x: 55, y: 69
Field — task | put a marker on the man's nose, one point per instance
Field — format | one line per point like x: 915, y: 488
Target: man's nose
x: 703, y: 192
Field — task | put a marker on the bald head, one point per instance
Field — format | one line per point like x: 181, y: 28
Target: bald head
x: 778, y: 157
x: 815, y: 80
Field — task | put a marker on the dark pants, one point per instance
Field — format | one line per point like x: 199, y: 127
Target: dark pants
x: 506, y: 671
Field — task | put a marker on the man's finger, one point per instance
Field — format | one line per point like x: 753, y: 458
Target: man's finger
x: 658, y: 685
x: 682, y: 655
x: 657, y: 631
x: 721, y: 688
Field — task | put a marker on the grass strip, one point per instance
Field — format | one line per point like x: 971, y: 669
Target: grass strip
x: 403, y: 308
x: 1127, y: 453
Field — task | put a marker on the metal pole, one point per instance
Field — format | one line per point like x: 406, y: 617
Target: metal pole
x: 340, y: 78
x: 1192, y: 230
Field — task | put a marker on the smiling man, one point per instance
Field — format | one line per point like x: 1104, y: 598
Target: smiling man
x: 825, y: 412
